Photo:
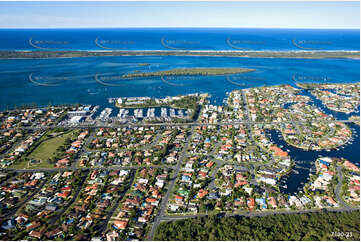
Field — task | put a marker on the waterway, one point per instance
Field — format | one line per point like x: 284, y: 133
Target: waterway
x: 92, y: 80
x: 305, y: 160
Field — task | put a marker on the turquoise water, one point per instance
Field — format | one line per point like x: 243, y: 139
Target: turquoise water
x: 92, y: 80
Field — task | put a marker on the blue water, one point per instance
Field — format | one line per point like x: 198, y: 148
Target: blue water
x: 92, y: 80
x: 305, y: 159
x: 179, y: 39
x: 323, y: 108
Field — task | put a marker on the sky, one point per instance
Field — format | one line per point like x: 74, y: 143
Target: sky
x: 180, y: 14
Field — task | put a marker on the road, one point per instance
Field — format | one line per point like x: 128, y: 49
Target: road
x: 144, y: 147
x: 83, y: 149
x: 260, y: 213
x: 165, y: 199
x: 104, y: 224
x: 80, y: 187
x: 12, y: 147
x: 339, y: 186
x: 250, y: 136
x: 218, y: 163
x: 15, y: 209
x: 83, y: 168
x: 161, y: 124
x: 344, y: 208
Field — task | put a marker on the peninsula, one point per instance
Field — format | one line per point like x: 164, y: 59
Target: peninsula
x: 250, y: 54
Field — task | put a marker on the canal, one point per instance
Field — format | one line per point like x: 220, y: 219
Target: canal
x: 305, y: 160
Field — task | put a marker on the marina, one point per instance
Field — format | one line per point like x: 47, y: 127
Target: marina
x: 179, y: 121
x: 158, y: 113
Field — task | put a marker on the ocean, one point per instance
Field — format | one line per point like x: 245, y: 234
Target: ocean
x: 179, y: 39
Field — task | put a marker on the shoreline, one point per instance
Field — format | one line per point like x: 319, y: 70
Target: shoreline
x: 147, y: 50
x: 24, y: 106
x: 302, y: 54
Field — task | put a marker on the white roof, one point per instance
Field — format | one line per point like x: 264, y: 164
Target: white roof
x: 75, y: 119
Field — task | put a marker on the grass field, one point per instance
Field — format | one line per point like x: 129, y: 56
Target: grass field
x: 46, y: 150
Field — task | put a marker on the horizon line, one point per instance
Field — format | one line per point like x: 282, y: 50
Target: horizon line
x: 321, y: 28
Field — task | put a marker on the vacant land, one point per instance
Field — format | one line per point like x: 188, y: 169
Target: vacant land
x: 190, y: 71
x: 45, y: 151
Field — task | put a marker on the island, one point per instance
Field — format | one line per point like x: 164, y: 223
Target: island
x: 190, y: 71
x: 143, y: 64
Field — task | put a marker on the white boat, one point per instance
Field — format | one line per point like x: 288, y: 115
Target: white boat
x: 163, y: 112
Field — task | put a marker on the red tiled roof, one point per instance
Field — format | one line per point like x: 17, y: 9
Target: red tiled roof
x: 178, y: 197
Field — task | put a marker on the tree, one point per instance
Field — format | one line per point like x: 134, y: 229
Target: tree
x: 317, y: 226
